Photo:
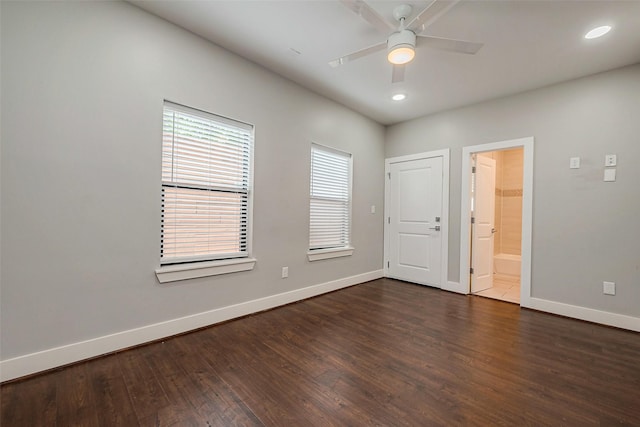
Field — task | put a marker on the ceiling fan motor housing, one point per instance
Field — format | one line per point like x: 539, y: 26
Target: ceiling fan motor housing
x: 402, y: 38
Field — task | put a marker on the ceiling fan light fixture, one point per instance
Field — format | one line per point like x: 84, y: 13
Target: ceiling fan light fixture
x: 401, y: 47
x: 399, y: 97
x: 401, y: 54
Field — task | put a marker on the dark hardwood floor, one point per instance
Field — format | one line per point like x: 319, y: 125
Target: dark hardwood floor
x: 380, y: 353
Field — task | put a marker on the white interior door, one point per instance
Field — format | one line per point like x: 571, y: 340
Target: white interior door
x: 483, y: 227
x: 414, y: 218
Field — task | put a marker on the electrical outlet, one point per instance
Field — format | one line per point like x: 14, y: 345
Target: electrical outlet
x: 609, y: 288
x: 285, y: 272
x: 610, y: 160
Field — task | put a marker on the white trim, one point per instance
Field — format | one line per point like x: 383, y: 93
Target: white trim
x: 527, y: 212
x: 64, y: 355
x: 318, y: 254
x: 173, y: 273
x: 419, y: 156
x: 444, y: 274
x: 588, y: 314
x: 444, y: 225
x: 527, y: 225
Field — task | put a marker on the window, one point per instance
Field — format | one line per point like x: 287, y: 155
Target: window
x: 206, y: 177
x: 330, y: 205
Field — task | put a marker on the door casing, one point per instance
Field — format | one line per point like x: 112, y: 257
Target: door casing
x: 527, y: 213
x: 444, y: 283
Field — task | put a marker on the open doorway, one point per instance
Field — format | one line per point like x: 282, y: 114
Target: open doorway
x: 473, y: 278
x: 496, y: 230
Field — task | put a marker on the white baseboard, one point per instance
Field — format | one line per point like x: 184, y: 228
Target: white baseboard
x: 588, y: 314
x: 576, y: 312
x: 64, y: 355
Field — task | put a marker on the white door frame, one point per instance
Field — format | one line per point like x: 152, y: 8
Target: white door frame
x: 444, y: 224
x: 527, y: 212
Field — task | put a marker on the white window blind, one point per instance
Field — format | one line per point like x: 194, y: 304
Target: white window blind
x: 206, y: 169
x: 330, y: 205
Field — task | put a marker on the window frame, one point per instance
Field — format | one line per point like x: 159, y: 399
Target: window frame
x: 317, y: 254
x: 186, y: 267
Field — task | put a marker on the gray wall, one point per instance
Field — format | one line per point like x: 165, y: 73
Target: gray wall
x: 585, y: 230
x: 82, y: 91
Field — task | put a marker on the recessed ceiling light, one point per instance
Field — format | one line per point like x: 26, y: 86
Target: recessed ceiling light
x: 399, y: 97
x: 597, y: 32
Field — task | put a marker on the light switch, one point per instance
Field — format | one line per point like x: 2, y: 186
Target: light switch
x: 574, y: 163
x: 609, y: 288
x: 610, y: 160
x: 373, y: 209
x: 610, y: 175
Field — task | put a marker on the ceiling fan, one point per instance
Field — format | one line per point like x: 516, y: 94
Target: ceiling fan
x: 403, y: 38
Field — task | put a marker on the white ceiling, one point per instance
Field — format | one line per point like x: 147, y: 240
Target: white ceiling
x: 527, y: 45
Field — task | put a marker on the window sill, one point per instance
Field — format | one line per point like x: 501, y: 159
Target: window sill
x: 319, y: 254
x: 173, y: 273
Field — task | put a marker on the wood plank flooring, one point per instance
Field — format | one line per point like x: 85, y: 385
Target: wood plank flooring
x: 383, y: 353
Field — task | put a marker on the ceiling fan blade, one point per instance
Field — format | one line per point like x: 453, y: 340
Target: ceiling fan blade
x: 359, y: 54
x: 398, y: 74
x: 369, y: 14
x: 435, y: 10
x: 451, y: 45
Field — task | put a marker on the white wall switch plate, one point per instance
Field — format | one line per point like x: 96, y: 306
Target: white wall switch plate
x: 373, y: 209
x: 285, y: 272
x: 610, y: 160
x: 574, y: 163
x: 610, y: 175
x: 609, y: 288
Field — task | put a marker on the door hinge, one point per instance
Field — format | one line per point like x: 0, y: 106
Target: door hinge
x: 387, y: 264
x: 471, y: 270
x: 473, y: 169
x: 473, y: 220
x: 389, y: 175
x: 389, y: 220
